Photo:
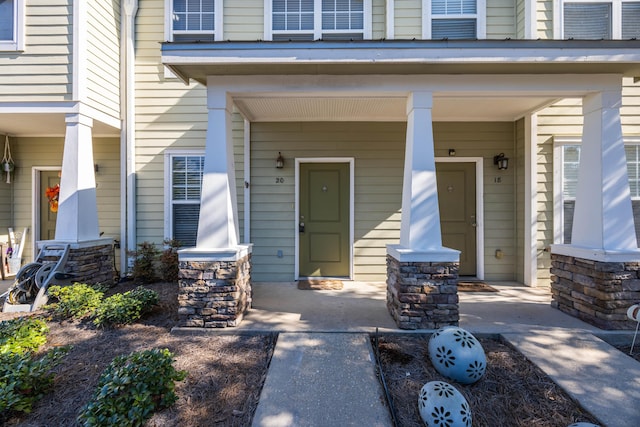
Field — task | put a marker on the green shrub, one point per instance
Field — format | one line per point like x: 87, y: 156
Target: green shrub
x: 169, y: 261
x: 131, y: 388
x: 24, y: 379
x: 22, y: 335
x: 122, y: 309
x: 78, y: 300
x: 144, y: 265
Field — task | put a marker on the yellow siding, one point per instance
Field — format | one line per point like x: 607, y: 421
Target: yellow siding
x: 103, y: 56
x: 544, y: 19
x: 243, y: 20
x: 47, y: 152
x: 43, y: 71
x: 501, y: 19
x: 379, y: 21
x: 408, y: 19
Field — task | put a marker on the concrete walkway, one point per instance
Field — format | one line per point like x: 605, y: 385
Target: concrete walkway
x: 323, y: 372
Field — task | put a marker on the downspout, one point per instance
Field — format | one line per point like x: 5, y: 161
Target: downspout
x: 127, y: 134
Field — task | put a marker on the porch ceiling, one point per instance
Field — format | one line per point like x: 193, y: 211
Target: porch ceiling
x: 284, y: 109
x: 25, y: 124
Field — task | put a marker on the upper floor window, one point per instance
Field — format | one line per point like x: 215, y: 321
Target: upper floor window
x: 599, y: 19
x: 11, y: 25
x: 317, y: 19
x: 454, y: 19
x: 194, y: 20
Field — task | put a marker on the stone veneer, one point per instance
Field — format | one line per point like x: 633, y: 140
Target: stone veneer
x: 596, y: 292
x: 422, y: 295
x: 214, y: 294
x: 90, y: 263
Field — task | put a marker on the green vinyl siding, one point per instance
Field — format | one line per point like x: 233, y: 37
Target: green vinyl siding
x: 103, y: 56
x: 520, y: 18
x: 43, y: 71
x: 520, y: 229
x: 501, y: 19
x: 379, y: 22
x: 408, y: 19
x: 544, y: 19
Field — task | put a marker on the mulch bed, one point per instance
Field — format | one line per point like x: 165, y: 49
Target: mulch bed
x: 226, y: 372
x: 513, y: 391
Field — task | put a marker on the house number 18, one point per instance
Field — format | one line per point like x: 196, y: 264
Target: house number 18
x: 279, y: 180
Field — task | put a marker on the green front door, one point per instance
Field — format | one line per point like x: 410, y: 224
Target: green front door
x: 324, y: 220
x: 457, y: 201
x: 48, y: 215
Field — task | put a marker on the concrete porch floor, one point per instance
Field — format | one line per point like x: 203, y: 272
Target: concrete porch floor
x: 361, y: 307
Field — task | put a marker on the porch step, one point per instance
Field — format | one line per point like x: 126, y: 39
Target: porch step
x: 322, y: 379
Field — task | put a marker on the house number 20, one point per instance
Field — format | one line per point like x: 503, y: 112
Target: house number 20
x: 279, y: 180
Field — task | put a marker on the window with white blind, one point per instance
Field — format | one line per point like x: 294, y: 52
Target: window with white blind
x: 307, y: 20
x: 567, y: 154
x: 600, y: 19
x: 194, y: 20
x: 182, y: 196
x: 11, y: 25
x: 454, y: 19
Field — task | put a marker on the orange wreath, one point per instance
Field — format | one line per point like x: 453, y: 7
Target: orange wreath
x: 53, y: 193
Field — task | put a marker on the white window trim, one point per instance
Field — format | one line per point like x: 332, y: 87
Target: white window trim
x: 558, y: 177
x: 616, y: 16
x: 317, y: 22
x: 168, y: 205
x: 17, y: 44
x: 218, y: 34
x: 481, y: 19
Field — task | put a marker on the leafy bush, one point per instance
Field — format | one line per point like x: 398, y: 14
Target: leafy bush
x: 144, y: 265
x: 131, y: 388
x: 121, y: 309
x: 78, y: 300
x: 24, y: 379
x: 169, y: 261
x: 22, y: 335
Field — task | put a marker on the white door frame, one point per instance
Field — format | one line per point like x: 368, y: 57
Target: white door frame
x: 35, y: 203
x: 351, y: 162
x: 479, y: 207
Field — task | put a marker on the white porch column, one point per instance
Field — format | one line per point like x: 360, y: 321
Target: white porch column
x: 603, y: 217
x: 77, y: 219
x: 420, y: 232
x: 218, y: 224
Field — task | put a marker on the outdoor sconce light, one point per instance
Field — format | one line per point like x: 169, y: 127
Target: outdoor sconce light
x: 452, y: 152
x: 279, y: 161
x: 501, y: 161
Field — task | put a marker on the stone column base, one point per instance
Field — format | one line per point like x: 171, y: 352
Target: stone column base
x: 596, y: 292
x: 91, y: 262
x: 214, y: 293
x: 422, y: 295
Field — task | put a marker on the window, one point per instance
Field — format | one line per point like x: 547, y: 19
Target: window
x: 182, y: 196
x: 307, y: 20
x: 11, y: 25
x: 567, y: 154
x: 599, y: 19
x: 453, y: 19
x: 194, y: 20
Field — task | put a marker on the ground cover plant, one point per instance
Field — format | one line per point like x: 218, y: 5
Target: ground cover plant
x: 222, y: 387
x: 513, y: 391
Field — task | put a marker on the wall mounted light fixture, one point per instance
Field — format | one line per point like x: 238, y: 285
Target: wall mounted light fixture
x: 452, y: 152
x: 280, y: 161
x: 501, y: 161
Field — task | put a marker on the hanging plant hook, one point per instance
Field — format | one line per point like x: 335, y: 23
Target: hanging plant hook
x: 8, y: 166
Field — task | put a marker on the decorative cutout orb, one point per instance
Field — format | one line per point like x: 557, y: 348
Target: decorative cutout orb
x: 583, y: 425
x: 441, y: 405
x: 457, y: 355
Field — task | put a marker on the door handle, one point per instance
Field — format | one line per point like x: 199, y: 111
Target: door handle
x: 301, y: 227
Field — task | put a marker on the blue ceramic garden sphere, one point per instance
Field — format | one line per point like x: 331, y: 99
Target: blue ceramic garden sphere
x: 457, y: 355
x: 441, y: 405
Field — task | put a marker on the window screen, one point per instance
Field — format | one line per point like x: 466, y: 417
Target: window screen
x: 193, y: 16
x: 587, y: 21
x: 292, y: 15
x: 6, y: 20
x: 186, y: 186
x: 454, y: 19
x: 342, y: 14
x: 631, y: 20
